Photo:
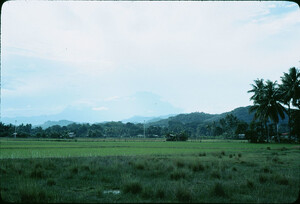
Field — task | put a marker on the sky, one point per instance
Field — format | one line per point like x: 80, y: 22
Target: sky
x: 115, y: 60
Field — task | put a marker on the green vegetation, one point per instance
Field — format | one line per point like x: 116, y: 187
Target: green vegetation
x: 150, y: 171
x: 269, y: 99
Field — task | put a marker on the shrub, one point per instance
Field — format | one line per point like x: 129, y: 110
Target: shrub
x: 234, y: 169
x: 230, y: 155
x: 223, y: 153
x: 268, y: 148
x: 239, y: 154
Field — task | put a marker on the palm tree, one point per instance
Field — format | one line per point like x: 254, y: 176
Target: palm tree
x: 258, y: 90
x: 273, y: 106
x: 290, y: 91
x: 266, y: 103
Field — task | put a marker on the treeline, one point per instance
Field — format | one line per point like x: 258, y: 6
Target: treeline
x: 228, y: 127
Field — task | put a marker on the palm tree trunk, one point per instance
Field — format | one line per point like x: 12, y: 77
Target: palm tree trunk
x: 278, y: 139
x: 266, y: 126
x: 289, y: 115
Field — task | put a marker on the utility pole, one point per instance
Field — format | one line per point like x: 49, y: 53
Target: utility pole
x: 15, y: 134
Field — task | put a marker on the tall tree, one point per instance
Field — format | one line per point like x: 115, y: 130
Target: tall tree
x: 290, y: 91
x: 266, y: 103
x: 258, y: 95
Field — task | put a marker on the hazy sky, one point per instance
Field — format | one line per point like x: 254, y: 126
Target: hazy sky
x: 120, y: 59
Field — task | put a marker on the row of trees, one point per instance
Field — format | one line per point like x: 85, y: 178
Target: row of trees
x: 272, y: 100
x: 227, y: 127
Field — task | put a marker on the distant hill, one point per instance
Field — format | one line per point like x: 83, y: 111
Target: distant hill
x: 52, y: 123
x: 242, y: 113
x: 141, y: 119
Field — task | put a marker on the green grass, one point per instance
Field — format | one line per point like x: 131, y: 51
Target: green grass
x: 22, y: 148
x: 148, y: 171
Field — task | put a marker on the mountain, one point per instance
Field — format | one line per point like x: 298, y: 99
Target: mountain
x: 52, y: 123
x: 242, y: 113
x: 141, y: 119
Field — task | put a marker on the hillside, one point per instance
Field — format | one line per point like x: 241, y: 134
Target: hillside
x: 52, y: 123
x: 242, y: 113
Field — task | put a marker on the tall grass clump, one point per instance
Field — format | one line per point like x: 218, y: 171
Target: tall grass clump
x: 133, y: 187
x: 183, y: 194
x: 215, y: 174
x: 32, y: 193
x: 218, y: 190
x: 196, y: 166
x: 262, y: 178
x: 281, y: 180
x: 178, y: 174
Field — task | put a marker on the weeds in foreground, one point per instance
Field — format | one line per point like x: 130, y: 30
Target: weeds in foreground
x: 218, y: 190
x: 151, y: 179
x: 133, y: 187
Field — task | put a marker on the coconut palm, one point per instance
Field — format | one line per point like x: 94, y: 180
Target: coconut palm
x: 258, y: 90
x: 290, y: 87
x: 290, y: 91
x: 266, y: 103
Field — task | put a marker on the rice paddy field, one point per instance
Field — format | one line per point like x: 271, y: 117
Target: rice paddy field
x: 140, y: 170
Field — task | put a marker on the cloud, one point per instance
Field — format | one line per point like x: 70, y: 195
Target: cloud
x: 113, y: 98
x: 102, y: 108
x: 100, y: 54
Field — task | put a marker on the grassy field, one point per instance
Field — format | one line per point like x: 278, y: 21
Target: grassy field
x: 86, y: 171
